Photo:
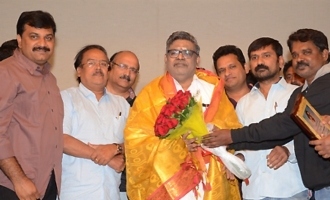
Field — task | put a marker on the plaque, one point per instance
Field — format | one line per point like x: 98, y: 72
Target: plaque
x: 308, y: 119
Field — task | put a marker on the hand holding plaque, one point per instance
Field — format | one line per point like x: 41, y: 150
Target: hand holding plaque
x: 308, y: 119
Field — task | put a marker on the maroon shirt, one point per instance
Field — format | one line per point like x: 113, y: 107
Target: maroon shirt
x: 31, y: 120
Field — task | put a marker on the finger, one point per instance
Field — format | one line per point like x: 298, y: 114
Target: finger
x: 184, y: 136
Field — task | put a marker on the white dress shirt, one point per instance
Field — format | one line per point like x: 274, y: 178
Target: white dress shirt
x: 264, y: 181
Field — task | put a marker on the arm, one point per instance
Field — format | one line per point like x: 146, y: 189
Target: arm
x: 23, y: 186
x: 278, y: 127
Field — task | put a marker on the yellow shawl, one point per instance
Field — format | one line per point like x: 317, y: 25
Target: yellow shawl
x: 151, y: 163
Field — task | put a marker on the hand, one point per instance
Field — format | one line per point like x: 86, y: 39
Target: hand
x: 191, y: 144
x: 103, y: 153
x: 117, y: 163
x: 277, y: 157
x: 229, y: 175
x: 25, y: 189
x: 325, y: 119
x: 322, y: 146
x: 218, y: 137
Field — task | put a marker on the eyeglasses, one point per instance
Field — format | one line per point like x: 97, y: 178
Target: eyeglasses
x: 174, y: 53
x: 92, y: 63
x: 126, y: 67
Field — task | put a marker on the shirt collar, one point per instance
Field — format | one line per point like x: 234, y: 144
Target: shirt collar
x: 280, y: 83
x: 179, y: 87
x: 28, y: 64
x: 325, y: 69
x: 88, y: 93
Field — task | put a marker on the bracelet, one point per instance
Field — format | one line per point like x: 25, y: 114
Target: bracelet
x: 119, y: 149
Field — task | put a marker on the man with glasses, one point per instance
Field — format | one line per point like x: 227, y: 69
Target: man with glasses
x: 123, y: 70
x: 93, y: 131
x: 160, y: 168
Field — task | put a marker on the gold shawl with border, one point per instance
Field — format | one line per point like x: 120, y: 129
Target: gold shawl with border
x: 151, y: 163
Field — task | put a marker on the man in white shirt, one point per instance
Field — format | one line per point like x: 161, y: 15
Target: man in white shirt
x: 275, y: 172
x: 93, y: 131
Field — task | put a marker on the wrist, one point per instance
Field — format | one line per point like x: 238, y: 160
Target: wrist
x: 119, y: 149
x: 286, y: 150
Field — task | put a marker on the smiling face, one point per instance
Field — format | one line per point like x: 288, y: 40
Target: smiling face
x: 307, y: 59
x: 92, y: 73
x: 121, y: 77
x: 231, y: 71
x: 37, y: 44
x: 182, y: 69
x: 265, y: 64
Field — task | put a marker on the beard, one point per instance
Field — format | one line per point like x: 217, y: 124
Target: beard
x: 265, y: 75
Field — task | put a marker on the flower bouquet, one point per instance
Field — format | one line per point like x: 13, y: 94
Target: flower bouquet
x: 181, y: 114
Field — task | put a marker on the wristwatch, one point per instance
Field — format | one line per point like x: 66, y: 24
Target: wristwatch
x: 119, y: 149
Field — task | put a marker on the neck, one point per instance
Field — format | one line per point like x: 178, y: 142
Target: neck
x: 118, y: 91
x: 264, y: 86
x: 238, y: 93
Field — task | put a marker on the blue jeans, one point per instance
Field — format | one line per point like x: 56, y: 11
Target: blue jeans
x: 322, y: 194
x: 299, y: 196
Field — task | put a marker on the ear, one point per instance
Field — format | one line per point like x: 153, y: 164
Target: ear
x: 281, y: 62
x: 165, y: 58
x: 19, y: 40
x: 79, y: 71
x: 198, y: 59
x: 247, y: 68
x: 325, y: 54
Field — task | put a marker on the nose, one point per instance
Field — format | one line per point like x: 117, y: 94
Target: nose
x: 180, y: 56
x: 227, y: 72
x: 42, y: 42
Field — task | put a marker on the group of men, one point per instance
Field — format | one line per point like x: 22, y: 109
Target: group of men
x: 75, y: 144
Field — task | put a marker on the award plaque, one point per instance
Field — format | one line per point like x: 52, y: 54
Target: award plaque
x: 308, y: 119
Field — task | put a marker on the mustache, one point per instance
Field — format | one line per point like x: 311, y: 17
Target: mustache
x: 41, y: 48
x: 180, y: 63
x: 125, y: 77
x: 301, y: 63
x: 261, y: 66
x: 98, y: 72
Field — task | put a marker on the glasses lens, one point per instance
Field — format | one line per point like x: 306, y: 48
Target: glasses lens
x: 104, y: 64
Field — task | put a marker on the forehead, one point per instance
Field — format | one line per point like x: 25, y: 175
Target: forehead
x: 227, y: 59
x: 299, y: 46
x: 126, y: 57
x: 265, y: 49
x: 41, y: 31
x: 182, y: 44
x: 94, y: 54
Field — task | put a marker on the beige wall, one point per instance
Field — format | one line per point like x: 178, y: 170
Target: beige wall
x: 143, y: 26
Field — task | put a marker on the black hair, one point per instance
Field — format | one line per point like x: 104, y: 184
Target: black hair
x: 226, y: 50
x: 304, y: 35
x: 37, y: 19
x: 264, y: 42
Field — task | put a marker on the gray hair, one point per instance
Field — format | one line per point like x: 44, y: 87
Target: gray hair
x: 182, y: 35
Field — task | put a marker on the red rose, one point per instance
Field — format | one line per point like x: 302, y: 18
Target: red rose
x: 170, y: 109
x: 171, y: 122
